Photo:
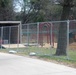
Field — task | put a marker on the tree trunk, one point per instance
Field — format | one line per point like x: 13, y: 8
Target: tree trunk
x: 62, y: 37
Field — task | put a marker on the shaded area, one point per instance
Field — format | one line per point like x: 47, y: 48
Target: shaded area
x: 9, y: 32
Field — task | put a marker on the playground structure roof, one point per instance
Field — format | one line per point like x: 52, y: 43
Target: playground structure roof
x: 10, y: 22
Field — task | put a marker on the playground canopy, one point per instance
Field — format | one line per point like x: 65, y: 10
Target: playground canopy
x: 10, y: 31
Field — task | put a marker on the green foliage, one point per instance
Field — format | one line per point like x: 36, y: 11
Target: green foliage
x: 41, y: 10
x: 55, y: 11
x: 4, y: 3
x: 6, y: 10
x: 39, y: 18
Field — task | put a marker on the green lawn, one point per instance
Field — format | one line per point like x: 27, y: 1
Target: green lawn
x: 46, y: 54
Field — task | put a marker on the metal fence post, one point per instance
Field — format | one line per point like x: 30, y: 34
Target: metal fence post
x: 38, y: 33
x: 1, y: 36
x: 68, y: 39
x: 9, y: 35
x: 20, y: 25
x: 38, y: 37
x: 28, y: 38
x: 28, y: 34
x: 51, y: 36
x: 18, y: 39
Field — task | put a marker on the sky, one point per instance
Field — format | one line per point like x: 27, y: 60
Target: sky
x: 18, y: 5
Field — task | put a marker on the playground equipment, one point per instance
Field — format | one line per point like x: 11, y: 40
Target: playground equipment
x: 46, y: 33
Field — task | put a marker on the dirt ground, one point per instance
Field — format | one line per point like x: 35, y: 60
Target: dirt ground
x: 13, y: 45
x: 71, y: 46
x: 47, y: 45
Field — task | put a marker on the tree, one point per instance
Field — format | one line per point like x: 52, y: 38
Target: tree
x: 38, y: 10
x: 6, y: 10
x: 62, y: 37
x: 31, y: 14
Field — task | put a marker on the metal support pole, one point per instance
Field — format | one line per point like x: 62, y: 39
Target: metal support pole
x: 9, y: 35
x: 20, y: 32
x: 1, y: 36
x: 51, y: 36
x: 51, y: 39
x: 68, y: 39
x: 38, y: 38
x: 38, y: 34
x: 28, y: 34
x: 18, y: 39
x: 28, y: 51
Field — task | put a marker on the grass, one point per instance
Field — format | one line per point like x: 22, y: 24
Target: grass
x: 47, y: 54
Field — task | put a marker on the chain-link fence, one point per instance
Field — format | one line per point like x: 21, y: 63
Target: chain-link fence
x: 42, y: 38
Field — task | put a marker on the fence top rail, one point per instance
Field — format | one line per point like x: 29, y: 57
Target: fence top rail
x: 49, y: 22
